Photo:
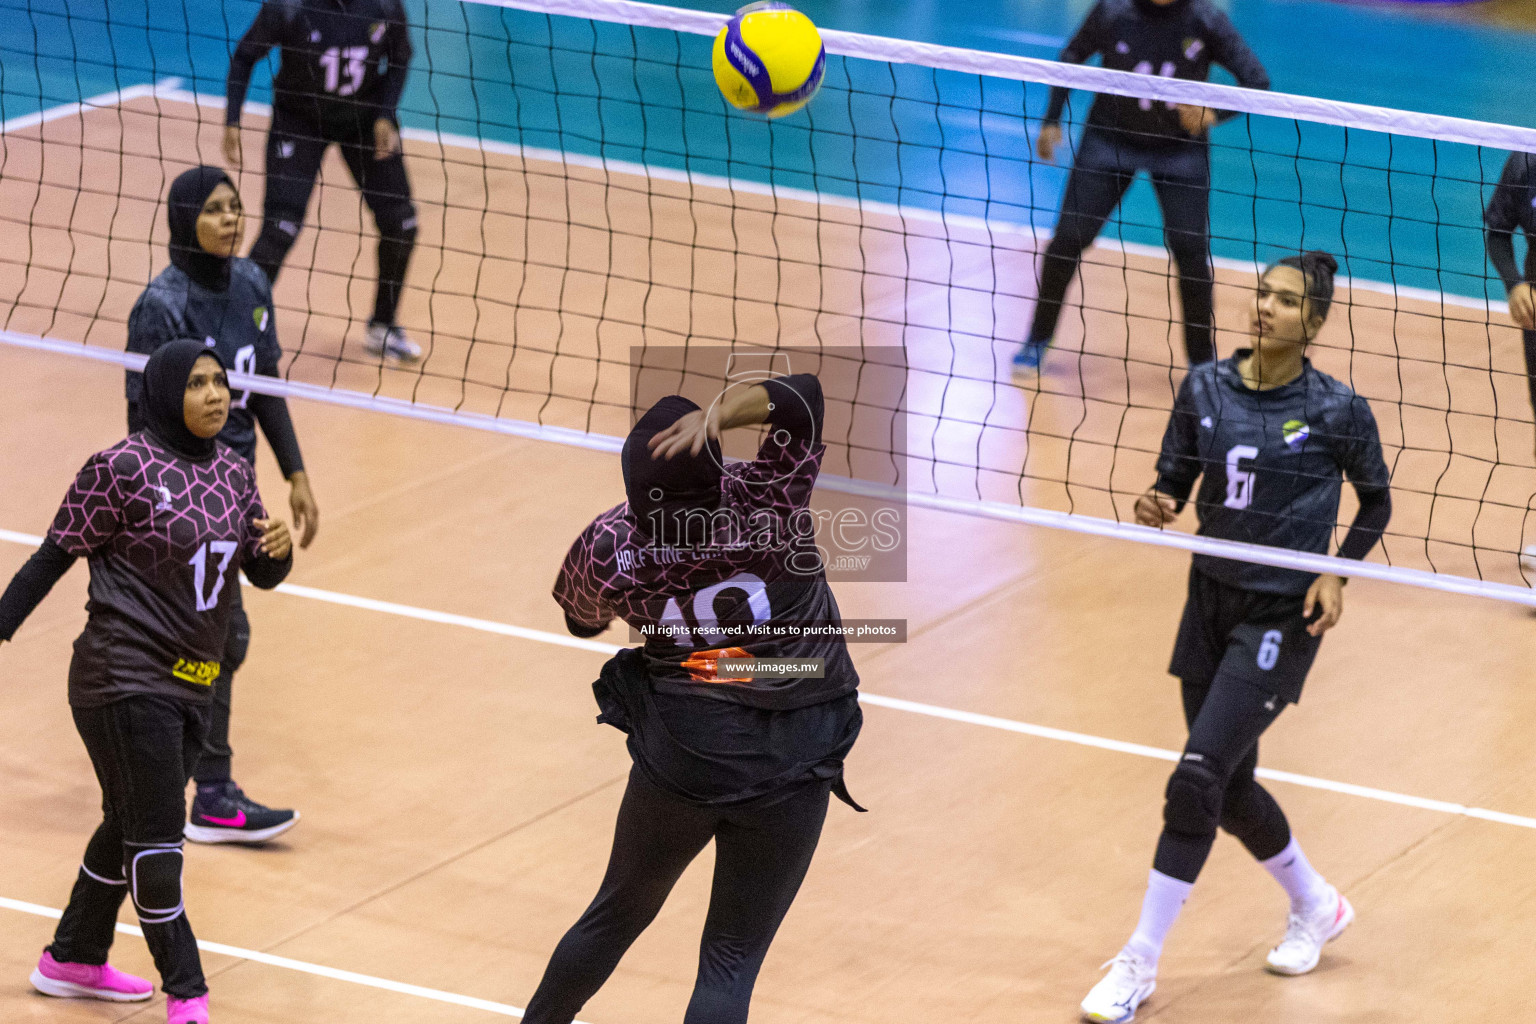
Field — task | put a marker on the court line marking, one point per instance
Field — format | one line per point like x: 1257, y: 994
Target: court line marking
x: 892, y: 703
x: 107, y: 99
x: 302, y: 966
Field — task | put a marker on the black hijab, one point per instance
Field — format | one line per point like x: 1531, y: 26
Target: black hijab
x: 663, y: 492
x: 165, y: 396
x: 189, y: 192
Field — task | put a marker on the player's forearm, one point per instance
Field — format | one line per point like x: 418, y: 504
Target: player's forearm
x: 1501, y: 253
x: 1176, y: 486
x: 745, y: 407
x: 31, y: 584
x: 797, y: 404
x: 1369, y: 524
x: 271, y: 412
x: 266, y: 572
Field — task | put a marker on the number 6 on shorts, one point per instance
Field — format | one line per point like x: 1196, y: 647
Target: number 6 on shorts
x: 1269, y: 649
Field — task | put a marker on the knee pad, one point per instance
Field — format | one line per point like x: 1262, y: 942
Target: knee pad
x: 396, y: 220
x: 237, y: 642
x: 154, y: 880
x: 1192, y: 801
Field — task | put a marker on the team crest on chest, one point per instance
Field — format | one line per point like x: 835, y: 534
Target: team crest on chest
x: 1192, y: 48
x: 376, y: 32
x: 260, y: 314
x: 1295, y: 432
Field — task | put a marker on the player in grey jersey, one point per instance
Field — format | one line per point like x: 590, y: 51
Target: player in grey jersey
x: 1271, y: 439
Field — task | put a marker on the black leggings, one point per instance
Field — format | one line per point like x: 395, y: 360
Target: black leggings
x: 143, y: 749
x: 1102, y: 173
x: 761, y: 857
x: 1226, y: 717
x: 216, y: 763
x: 295, y: 148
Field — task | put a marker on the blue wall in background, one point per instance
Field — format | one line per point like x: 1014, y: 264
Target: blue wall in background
x: 1401, y: 209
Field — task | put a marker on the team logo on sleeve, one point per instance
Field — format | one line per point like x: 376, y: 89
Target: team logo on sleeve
x: 259, y: 314
x: 1295, y: 432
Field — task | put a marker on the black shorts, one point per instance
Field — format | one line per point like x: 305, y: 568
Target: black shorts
x: 1259, y: 638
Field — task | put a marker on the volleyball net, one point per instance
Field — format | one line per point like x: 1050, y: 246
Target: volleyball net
x: 589, y: 205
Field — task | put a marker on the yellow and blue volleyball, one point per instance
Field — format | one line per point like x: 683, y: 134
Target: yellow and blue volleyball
x: 769, y: 59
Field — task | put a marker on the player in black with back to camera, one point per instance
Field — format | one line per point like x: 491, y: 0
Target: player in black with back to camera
x: 1270, y: 439
x: 168, y: 517
x: 1126, y: 135
x: 748, y: 763
x: 207, y: 292
x: 340, y: 80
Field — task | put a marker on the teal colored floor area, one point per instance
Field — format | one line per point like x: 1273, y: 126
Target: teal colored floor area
x: 1397, y: 209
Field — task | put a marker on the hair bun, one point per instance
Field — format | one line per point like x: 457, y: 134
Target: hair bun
x: 1324, y: 260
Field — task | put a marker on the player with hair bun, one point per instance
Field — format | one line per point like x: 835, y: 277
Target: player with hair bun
x: 1271, y: 440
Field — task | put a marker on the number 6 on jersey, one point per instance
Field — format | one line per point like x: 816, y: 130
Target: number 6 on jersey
x: 1240, y: 481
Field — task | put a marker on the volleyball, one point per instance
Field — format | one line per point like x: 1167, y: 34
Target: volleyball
x: 769, y: 59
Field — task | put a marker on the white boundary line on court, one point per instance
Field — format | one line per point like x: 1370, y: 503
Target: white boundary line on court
x: 893, y: 703
x: 1071, y: 76
x: 304, y: 967
x: 110, y: 99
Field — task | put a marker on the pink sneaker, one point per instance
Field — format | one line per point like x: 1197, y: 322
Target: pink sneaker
x: 87, y: 981
x: 186, y: 1011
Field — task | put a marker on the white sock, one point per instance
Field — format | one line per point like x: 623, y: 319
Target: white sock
x: 1159, y: 909
x: 1298, y: 877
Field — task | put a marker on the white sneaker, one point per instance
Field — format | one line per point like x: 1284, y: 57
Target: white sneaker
x: 1115, y: 998
x: 383, y: 340
x: 1528, y: 558
x: 1305, y: 936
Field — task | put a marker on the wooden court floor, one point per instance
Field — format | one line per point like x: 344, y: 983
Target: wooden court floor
x: 458, y: 799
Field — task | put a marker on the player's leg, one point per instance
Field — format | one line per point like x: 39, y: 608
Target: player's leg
x: 655, y: 838
x: 144, y: 749
x: 1528, y: 555
x: 386, y: 188
x: 1182, y: 182
x: 221, y: 812
x: 760, y: 860
x: 295, y: 149
x: 1099, y: 179
x: 1273, y: 650
x: 1204, y: 629
x: 75, y: 964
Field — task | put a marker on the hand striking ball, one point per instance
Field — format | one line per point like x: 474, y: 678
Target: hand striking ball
x: 769, y: 59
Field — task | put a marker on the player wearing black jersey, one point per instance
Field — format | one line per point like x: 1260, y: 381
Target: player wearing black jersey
x: 168, y: 518
x: 694, y: 562
x: 1270, y: 439
x: 1126, y: 135
x: 1513, y: 208
x: 340, y: 80
x: 209, y: 293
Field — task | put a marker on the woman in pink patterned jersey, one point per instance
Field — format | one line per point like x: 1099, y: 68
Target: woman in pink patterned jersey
x: 167, y: 518
x: 710, y: 561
